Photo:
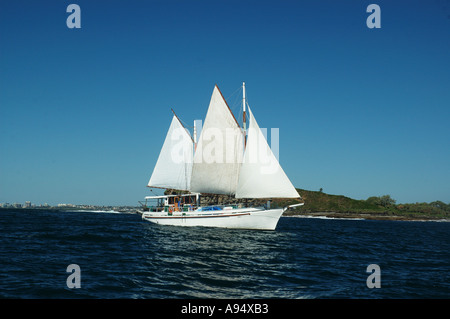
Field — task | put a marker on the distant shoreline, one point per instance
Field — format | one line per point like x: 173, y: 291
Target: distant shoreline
x: 320, y: 204
x: 71, y: 209
x: 365, y: 216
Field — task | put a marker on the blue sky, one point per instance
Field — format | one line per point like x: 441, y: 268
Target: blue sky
x: 362, y: 112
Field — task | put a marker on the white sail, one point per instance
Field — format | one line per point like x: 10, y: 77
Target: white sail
x: 174, y: 166
x: 219, y: 150
x: 261, y: 175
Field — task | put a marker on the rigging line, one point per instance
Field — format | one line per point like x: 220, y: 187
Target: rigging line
x: 186, y: 125
x: 231, y: 95
x: 237, y: 103
x: 181, y: 121
x: 237, y: 99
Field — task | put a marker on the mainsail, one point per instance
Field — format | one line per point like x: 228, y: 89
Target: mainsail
x: 174, y: 166
x: 219, y: 150
x: 261, y: 175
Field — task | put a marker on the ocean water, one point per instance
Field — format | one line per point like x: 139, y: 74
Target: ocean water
x: 121, y: 256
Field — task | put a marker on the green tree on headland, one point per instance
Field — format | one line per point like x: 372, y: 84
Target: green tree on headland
x: 384, y: 200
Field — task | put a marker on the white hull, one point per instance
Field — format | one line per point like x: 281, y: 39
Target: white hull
x: 244, y: 218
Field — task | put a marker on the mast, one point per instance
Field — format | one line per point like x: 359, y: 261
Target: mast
x: 243, y: 107
x: 195, y: 136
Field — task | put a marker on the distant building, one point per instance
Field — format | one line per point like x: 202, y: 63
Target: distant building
x: 27, y: 204
x: 66, y: 205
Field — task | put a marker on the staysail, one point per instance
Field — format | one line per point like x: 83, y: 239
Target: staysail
x: 219, y: 151
x: 261, y: 175
x: 174, y: 166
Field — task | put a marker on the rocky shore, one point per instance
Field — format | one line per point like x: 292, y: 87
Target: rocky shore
x: 367, y: 216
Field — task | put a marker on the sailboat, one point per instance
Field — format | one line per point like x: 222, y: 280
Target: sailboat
x: 225, y: 161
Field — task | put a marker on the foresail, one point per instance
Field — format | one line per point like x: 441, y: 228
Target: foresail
x: 261, y: 175
x: 219, y: 150
x: 174, y: 166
